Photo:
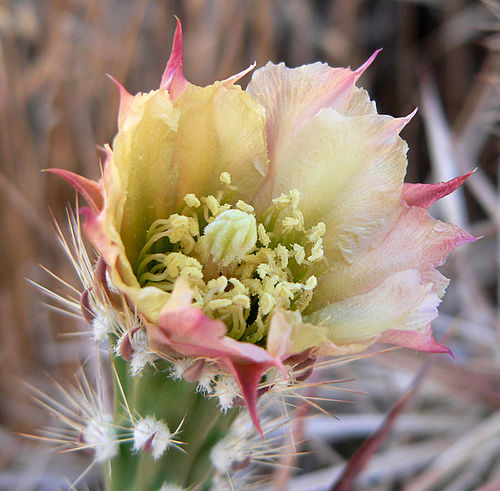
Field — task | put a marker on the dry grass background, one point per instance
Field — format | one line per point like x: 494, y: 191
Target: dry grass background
x: 56, y: 105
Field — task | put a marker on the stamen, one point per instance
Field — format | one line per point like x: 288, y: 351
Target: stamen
x: 238, y: 268
x: 225, y: 178
x: 191, y: 200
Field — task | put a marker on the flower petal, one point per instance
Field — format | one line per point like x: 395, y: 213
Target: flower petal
x: 424, y: 195
x: 144, y: 171
x: 402, y: 302
x: 417, y: 241
x: 234, y: 78
x: 188, y: 331
x: 289, y: 335
x: 220, y: 129
x: 126, y: 100
x: 419, y: 341
x: 290, y: 96
x: 349, y: 171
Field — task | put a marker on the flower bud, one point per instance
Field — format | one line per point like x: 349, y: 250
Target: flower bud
x: 230, y: 236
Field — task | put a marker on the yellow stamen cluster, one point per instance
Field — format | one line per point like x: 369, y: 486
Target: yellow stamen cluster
x: 240, y: 266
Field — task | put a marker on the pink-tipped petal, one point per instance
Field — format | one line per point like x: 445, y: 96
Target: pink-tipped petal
x: 424, y: 195
x: 92, y: 191
x: 404, y: 301
x: 188, y: 331
x: 416, y: 241
x: 416, y: 340
x: 367, y: 64
x: 125, y: 101
x: 234, y: 78
x: 292, y: 95
x: 173, y: 78
x: 396, y: 125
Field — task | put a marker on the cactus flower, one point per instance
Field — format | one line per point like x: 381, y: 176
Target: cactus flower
x: 245, y: 226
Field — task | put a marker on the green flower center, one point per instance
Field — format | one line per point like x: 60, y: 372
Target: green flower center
x: 240, y: 266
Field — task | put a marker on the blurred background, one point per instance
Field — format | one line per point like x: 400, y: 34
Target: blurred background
x: 56, y: 106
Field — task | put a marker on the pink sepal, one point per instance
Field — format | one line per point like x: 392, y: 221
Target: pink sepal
x: 188, y: 331
x: 424, y: 195
x: 416, y: 340
x: 173, y: 78
x: 92, y: 191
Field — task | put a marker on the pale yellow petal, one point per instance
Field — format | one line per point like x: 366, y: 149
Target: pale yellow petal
x: 143, y: 159
x: 221, y: 129
x: 291, y: 95
x: 416, y: 241
x: 289, y: 334
x: 349, y: 171
x: 403, y: 301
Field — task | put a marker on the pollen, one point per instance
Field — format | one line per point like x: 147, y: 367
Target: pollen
x: 225, y: 178
x: 240, y: 265
x: 191, y: 200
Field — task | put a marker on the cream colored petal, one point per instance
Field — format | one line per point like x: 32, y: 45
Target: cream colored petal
x: 403, y: 301
x: 148, y: 301
x: 163, y: 151
x: 349, y: 171
x: 220, y: 129
x: 288, y: 334
x: 143, y: 162
x: 290, y: 96
x: 417, y: 241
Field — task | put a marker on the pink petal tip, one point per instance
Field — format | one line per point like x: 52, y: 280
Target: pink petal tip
x: 173, y: 78
x: 424, y: 195
x: 366, y: 64
x: 234, y: 78
x: 92, y: 191
x: 418, y: 341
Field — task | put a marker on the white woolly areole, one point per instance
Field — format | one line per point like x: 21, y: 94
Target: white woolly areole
x: 227, y: 452
x: 101, y: 327
x: 226, y: 389
x: 150, y: 431
x: 171, y: 487
x: 179, y: 367
x: 207, y: 379
x: 235, y: 447
x: 141, y: 355
x: 100, y: 435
